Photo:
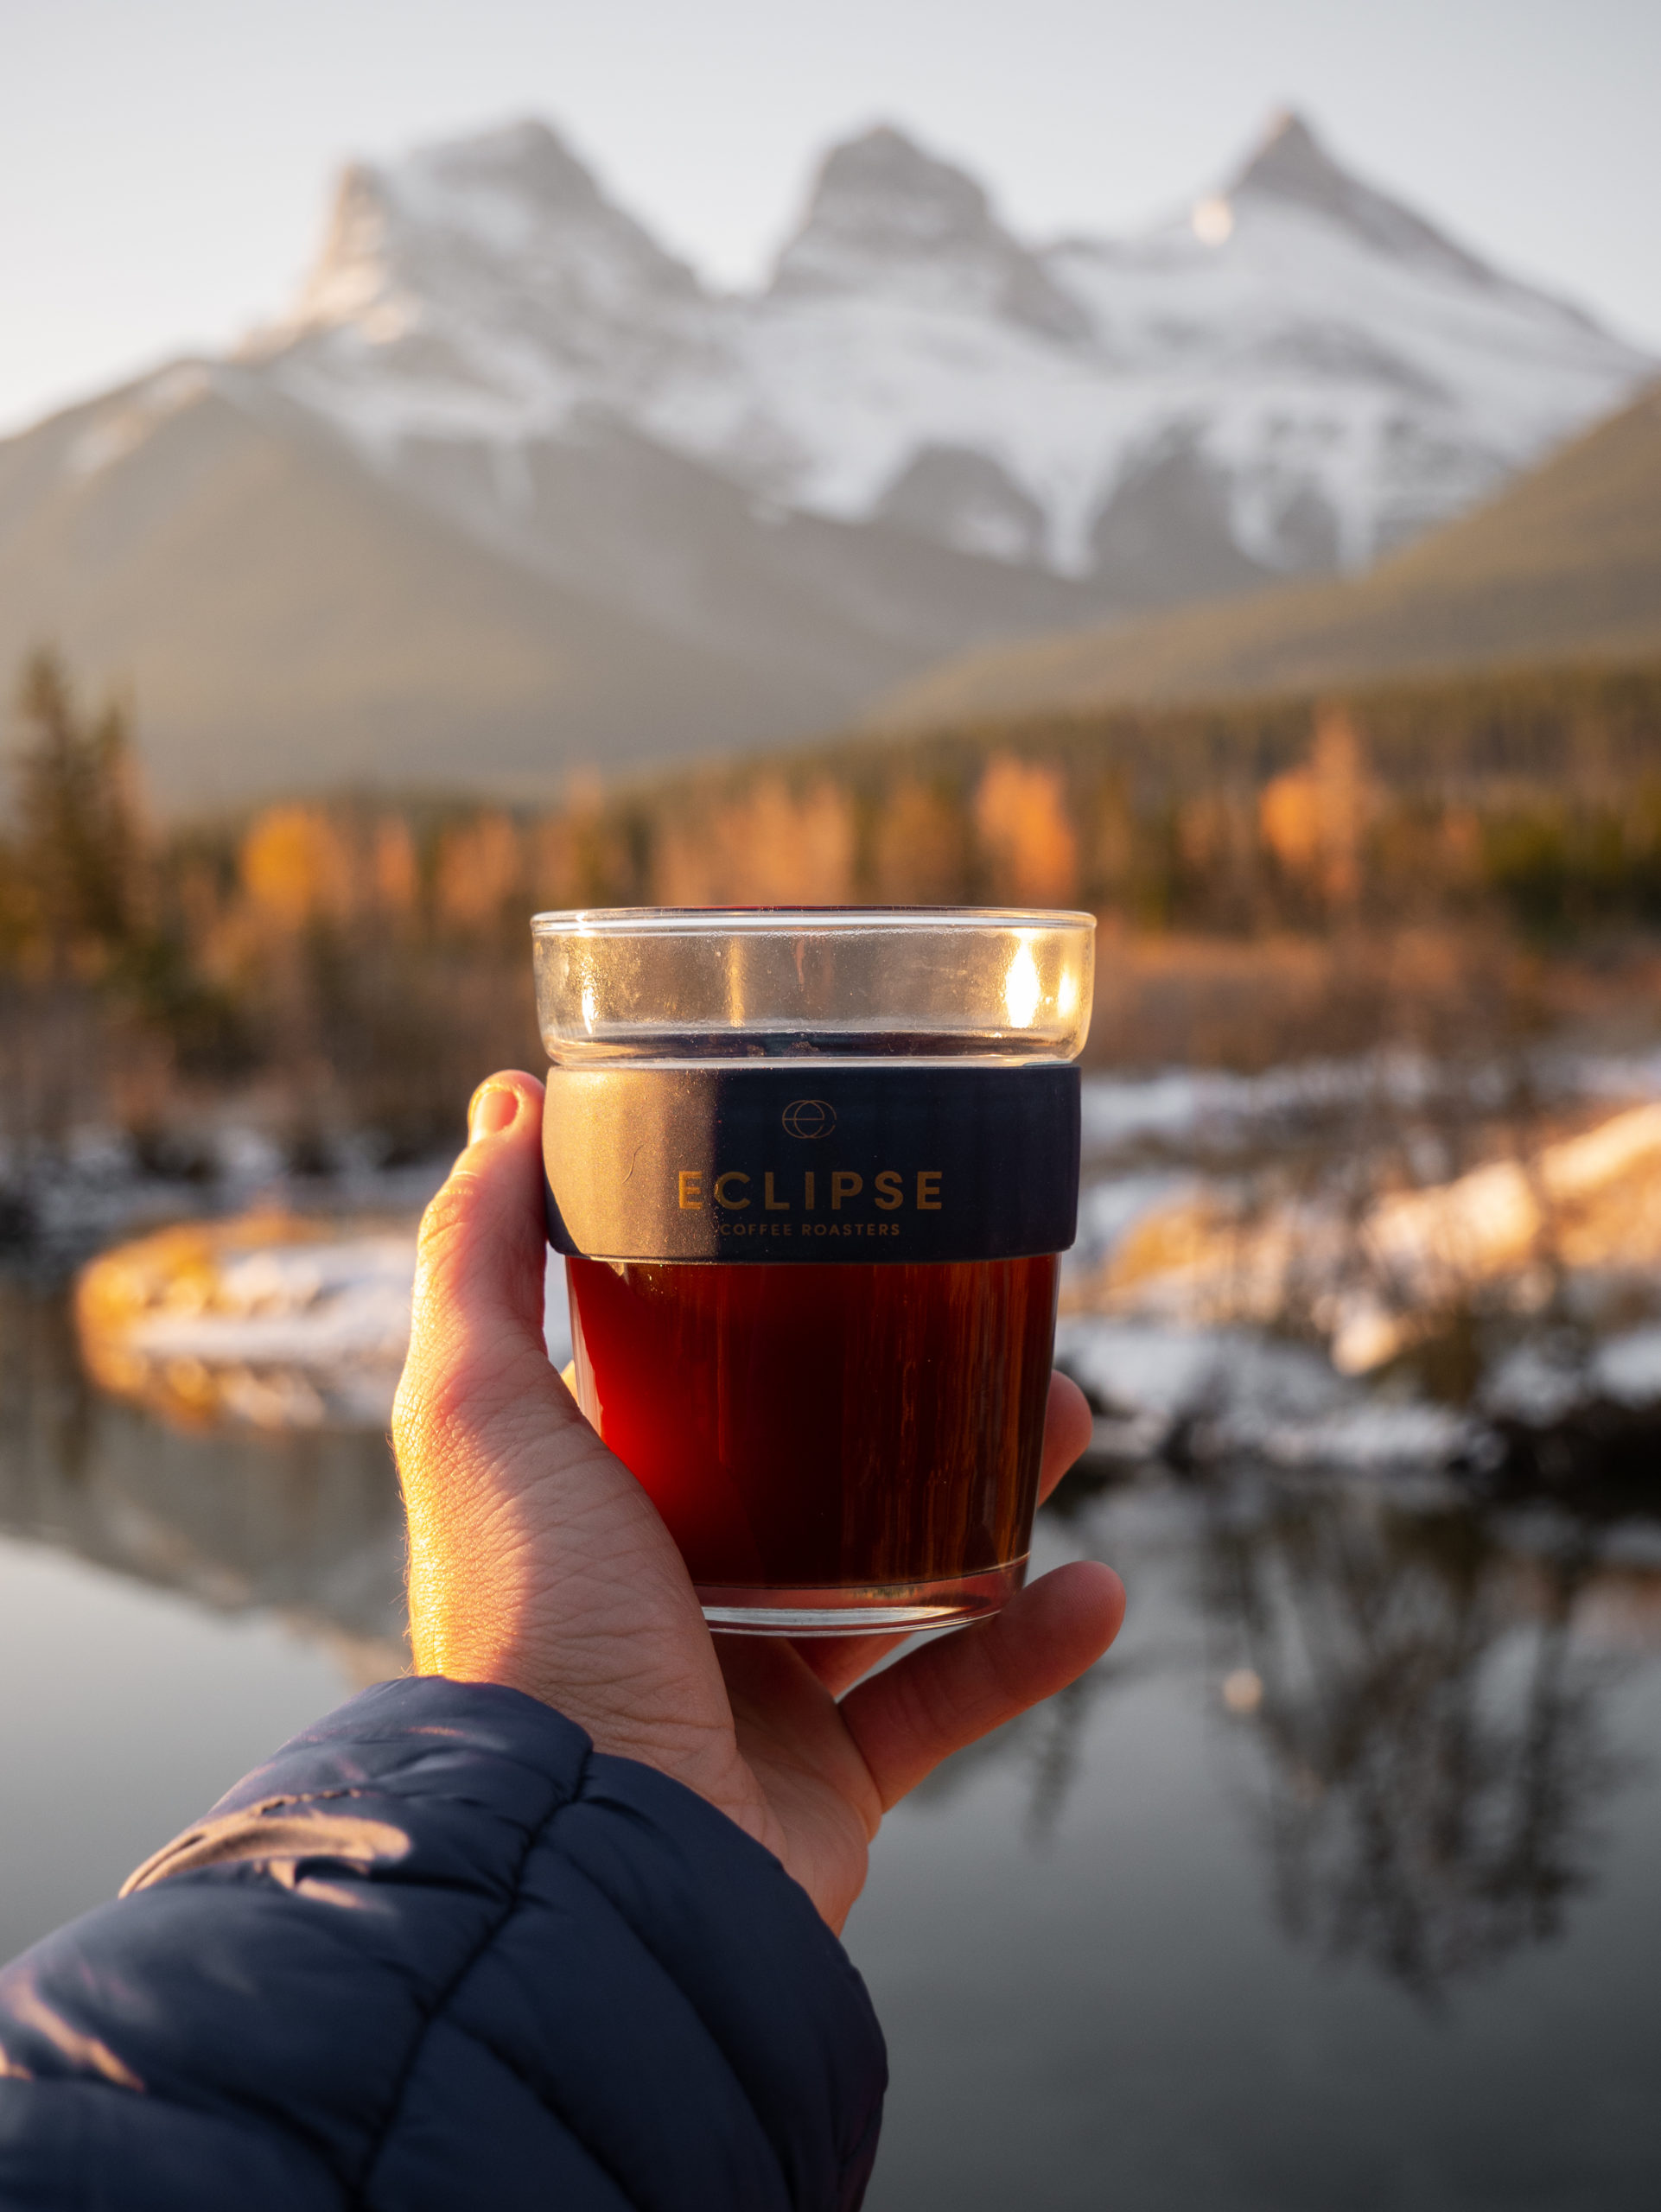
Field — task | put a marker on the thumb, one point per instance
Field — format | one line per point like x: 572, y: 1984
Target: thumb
x: 535, y: 1558
x: 477, y: 1322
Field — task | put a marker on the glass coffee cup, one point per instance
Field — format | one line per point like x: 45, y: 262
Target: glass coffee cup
x: 812, y: 1171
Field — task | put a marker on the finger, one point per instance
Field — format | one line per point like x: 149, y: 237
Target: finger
x: 535, y: 1558
x: 839, y: 1661
x: 1067, y: 1425
x: 919, y: 1711
x: 481, y: 1257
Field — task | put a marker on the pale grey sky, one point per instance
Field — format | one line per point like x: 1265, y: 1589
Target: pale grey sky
x: 165, y: 164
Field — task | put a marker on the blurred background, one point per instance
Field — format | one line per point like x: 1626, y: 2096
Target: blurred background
x: 1203, y: 465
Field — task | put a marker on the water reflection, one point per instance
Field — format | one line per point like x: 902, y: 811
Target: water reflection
x: 1431, y: 1726
x: 1102, y: 1942
x: 305, y: 1523
x: 1049, y: 1742
x: 1420, y: 1688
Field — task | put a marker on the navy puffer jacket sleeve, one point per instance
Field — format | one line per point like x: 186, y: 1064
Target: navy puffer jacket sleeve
x: 439, y: 1953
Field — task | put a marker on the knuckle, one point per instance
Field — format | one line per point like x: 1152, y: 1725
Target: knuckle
x: 431, y: 1416
x: 408, y: 1421
x: 450, y: 1214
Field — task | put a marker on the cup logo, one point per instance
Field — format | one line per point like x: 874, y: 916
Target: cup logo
x: 809, y: 1117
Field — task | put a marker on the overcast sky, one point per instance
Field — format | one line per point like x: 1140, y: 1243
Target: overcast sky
x: 165, y: 164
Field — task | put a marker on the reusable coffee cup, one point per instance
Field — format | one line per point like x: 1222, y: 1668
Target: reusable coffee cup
x: 812, y: 1171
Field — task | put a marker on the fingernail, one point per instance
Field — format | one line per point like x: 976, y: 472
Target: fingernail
x: 493, y: 1107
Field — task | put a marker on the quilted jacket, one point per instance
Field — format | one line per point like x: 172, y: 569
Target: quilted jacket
x: 439, y: 1953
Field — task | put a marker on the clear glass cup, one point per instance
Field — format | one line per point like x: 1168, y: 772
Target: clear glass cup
x: 812, y: 1170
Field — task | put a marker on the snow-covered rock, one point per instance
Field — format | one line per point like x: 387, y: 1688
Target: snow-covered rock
x: 1215, y: 1394
x: 268, y: 1320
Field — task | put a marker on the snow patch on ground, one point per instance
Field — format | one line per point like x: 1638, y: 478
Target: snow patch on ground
x: 300, y: 1332
x: 1215, y: 1393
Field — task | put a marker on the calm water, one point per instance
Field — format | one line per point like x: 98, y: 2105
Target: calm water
x: 1337, y: 1886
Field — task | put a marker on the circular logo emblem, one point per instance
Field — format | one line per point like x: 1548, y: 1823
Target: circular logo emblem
x: 809, y: 1117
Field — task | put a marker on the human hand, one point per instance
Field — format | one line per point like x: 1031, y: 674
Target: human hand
x: 536, y: 1560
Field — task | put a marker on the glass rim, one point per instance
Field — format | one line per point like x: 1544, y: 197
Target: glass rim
x: 733, y: 921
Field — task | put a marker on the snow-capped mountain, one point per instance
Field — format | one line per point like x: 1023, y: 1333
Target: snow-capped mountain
x: 512, y: 488
x: 483, y: 287
x: 1295, y: 374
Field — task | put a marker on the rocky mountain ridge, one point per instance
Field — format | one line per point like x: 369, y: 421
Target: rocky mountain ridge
x: 1293, y: 376
x: 512, y: 488
x: 1563, y: 566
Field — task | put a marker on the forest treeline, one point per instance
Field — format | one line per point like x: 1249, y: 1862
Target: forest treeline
x: 356, y: 962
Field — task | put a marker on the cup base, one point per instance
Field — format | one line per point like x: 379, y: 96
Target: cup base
x: 862, y: 1609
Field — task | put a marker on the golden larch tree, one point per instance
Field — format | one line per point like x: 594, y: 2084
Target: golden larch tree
x: 1022, y: 822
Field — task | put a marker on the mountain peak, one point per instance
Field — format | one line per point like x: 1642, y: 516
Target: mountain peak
x: 1292, y: 165
x: 524, y: 164
x: 884, y: 214
x: 497, y: 226
x: 881, y: 192
x: 1291, y: 161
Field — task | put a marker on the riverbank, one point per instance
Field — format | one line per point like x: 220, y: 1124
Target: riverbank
x: 1239, y: 1237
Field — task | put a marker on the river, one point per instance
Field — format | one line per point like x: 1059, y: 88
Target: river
x: 1337, y: 1883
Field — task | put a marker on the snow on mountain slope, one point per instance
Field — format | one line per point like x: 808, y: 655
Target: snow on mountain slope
x: 1293, y: 377
x: 481, y: 288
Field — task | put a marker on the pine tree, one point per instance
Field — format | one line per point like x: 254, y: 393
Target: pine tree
x: 78, y: 849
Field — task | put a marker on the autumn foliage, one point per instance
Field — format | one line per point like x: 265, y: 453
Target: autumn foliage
x: 355, y: 963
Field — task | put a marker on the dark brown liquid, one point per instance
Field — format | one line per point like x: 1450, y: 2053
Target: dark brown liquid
x: 824, y: 1425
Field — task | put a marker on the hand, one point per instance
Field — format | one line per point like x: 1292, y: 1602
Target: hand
x: 536, y: 1559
